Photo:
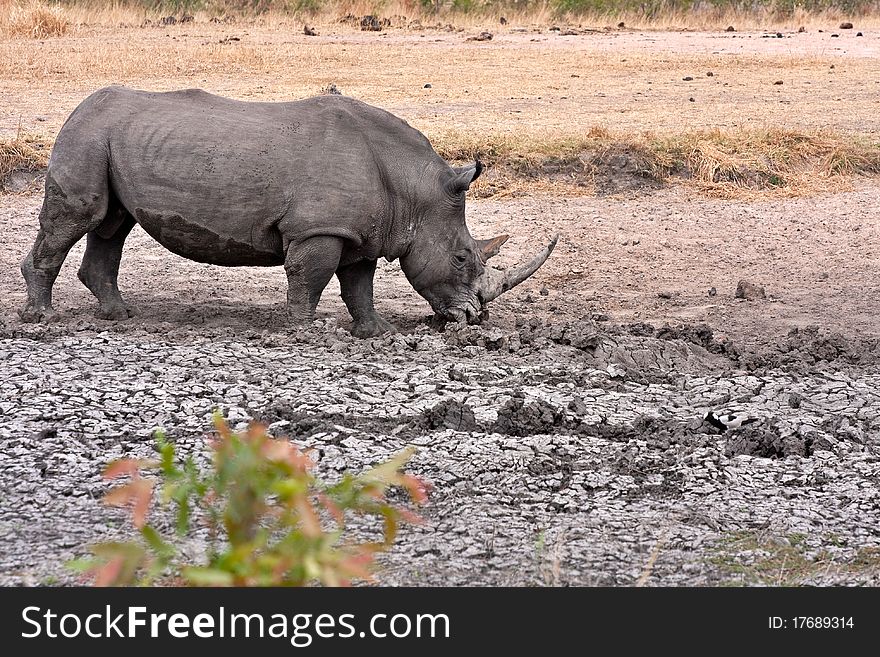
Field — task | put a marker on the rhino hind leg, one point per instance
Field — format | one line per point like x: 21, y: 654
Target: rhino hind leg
x: 356, y: 285
x: 64, y: 219
x: 99, y: 270
x: 309, y: 265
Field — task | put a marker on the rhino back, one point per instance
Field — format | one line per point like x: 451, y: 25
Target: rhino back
x: 213, y: 178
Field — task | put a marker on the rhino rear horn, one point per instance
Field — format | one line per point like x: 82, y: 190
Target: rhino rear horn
x: 491, y: 247
x: 497, y: 282
x: 465, y: 176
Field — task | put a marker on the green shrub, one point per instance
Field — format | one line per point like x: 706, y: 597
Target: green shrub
x: 272, y: 523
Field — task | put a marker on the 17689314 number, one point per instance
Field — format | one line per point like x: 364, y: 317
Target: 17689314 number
x: 811, y: 623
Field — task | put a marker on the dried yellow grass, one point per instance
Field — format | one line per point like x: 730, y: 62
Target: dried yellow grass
x: 33, y: 19
x: 326, y: 13
x: 729, y: 164
x: 24, y: 152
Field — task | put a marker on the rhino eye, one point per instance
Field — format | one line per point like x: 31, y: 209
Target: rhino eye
x: 459, y: 260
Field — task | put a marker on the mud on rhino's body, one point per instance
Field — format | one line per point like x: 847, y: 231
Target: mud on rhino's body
x: 322, y: 186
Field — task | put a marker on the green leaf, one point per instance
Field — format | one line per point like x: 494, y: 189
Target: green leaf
x: 80, y: 565
x: 163, y: 550
x: 208, y: 577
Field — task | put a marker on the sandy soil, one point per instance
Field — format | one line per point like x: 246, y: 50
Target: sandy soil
x: 651, y: 257
x: 535, y: 82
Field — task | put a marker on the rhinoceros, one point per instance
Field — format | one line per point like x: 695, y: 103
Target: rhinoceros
x: 322, y: 186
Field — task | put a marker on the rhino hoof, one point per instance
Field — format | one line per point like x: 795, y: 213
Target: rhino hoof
x: 35, y: 315
x: 117, y: 313
x: 372, y: 327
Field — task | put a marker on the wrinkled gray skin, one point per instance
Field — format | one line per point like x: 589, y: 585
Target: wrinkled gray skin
x: 322, y: 186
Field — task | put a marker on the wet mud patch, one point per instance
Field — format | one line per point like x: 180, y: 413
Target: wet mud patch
x: 767, y: 440
x: 643, y: 354
x: 656, y: 432
x: 802, y: 349
x: 517, y: 417
x: 448, y: 414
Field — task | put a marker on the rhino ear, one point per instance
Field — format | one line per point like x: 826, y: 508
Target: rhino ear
x: 489, y: 248
x: 464, y: 176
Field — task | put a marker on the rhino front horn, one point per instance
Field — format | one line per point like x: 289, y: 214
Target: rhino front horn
x: 498, y: 282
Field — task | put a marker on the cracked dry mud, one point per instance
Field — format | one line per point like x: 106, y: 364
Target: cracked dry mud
x: 565, y: 439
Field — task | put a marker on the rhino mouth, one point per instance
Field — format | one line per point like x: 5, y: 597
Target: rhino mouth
x: 469, y: 315
x: 492, y: 284
x: 470, y: 311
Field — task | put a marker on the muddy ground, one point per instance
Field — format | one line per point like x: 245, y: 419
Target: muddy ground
x: 565, y: 439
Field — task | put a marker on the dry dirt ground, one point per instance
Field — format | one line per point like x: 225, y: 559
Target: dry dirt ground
x: 565, y: 438
x: 525, y: 81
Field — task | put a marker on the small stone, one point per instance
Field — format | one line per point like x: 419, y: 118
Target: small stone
x: 779, y: 35
x: 544, y: 291
x: 621, y: 25
x: 666, y: 294
x: 730, y: 28
x: 482, y: 36
x: 859, y: 34
x: 709, y: 74
x: 801, y: 29
x: 712, y: 292
x: 846, y: 26
x: 687, y: 78
x: 692, y: 99
x: 309, y: 31
x: 747, y: 290
x: 835, y: 36
x: 428, y: 85
x: 778, y: 82
x: 503, y: 21
x: 370, y: 23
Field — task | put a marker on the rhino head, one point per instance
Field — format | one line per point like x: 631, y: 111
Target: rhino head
x: 447, y: 266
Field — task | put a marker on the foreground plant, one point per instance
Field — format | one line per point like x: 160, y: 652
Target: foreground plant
x: 279, y: 525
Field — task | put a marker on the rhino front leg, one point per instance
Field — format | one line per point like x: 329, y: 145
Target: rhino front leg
x: 356, y: 285
x: 309, y: 265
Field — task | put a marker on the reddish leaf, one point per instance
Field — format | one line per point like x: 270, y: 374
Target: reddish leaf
x: 285, y: 452
x: 332, y: 508
x: 356, y: 566
x: 108, y: 573
x: 417, y: 489
x: 138, y: 494
x: 122, y: 467
x: 311, y: 524
x: 409, y: 516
